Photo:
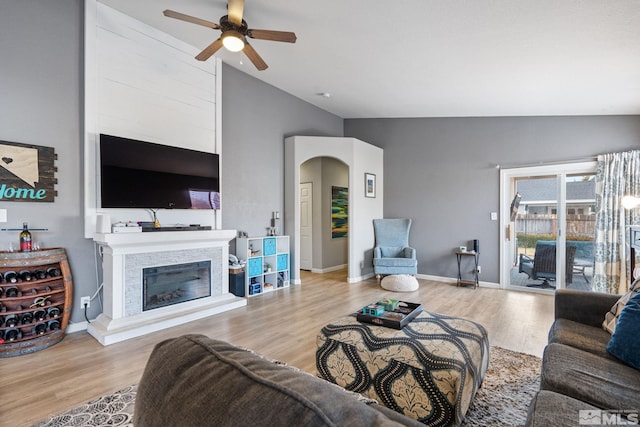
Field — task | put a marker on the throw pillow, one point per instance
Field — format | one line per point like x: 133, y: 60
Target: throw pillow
x: 611, y: 318
x: 624, y: 343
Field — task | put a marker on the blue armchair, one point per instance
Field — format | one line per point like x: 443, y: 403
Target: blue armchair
x: 392, y: 253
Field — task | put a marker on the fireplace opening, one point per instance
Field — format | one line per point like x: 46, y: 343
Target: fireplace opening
x: 174, y: 284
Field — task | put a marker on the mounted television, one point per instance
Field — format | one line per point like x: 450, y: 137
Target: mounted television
x: 138, y: 174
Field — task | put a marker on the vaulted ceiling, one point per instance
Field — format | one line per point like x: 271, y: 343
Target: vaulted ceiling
x: 434, y: 58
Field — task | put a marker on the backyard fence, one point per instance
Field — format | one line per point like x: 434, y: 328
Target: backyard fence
x: 579, y: 227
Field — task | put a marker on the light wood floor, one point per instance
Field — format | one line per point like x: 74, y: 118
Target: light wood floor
x: 282, y: 325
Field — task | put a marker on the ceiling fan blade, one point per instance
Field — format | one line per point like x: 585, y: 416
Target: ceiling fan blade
x: 254, y: 57
x: 277, y: 36
x: 192, y: 19
x: 210, y: 50
x: 235, y: 9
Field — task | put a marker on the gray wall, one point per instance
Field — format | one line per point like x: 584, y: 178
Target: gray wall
x: 256, y: 118
x: 40, y: 103
x: 441, y: 172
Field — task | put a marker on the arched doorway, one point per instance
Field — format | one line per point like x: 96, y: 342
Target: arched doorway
x: 323, y: 247
x: 360, y: 158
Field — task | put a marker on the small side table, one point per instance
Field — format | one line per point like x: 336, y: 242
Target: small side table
x: 474, y: 279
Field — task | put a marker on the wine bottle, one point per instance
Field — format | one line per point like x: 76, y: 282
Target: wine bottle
x: 11, y: 292
x: 39, y: 315
x: 11, y: 277
x: 1, y: 321
x: 25, y: 275
x: 25, y: 238
x: 12, y: 334
x: 11, y: 320
x: 40, y: 328
x: 53, y: 325
x: 53, y: 312
x: 40, y: 274
x: 53, y: 272
x: 26, y: 318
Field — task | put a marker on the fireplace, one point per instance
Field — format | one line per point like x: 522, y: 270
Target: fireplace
x: 127, y: 255
x: 174, y: 284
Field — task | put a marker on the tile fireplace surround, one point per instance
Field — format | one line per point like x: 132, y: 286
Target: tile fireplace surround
x: 124, y: 255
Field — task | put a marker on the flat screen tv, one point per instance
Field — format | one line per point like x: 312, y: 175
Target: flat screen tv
x: 138, y: 174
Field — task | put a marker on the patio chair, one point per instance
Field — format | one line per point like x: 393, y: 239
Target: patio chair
x: 392, y: 253
x: 543, y: 264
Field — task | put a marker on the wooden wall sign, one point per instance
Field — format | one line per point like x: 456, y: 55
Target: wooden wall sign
x: 27, y: 173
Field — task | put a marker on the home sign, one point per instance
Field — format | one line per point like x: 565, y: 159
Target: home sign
x: 27, y: 173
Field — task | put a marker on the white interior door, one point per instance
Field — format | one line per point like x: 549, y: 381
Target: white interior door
x: 306, y: 226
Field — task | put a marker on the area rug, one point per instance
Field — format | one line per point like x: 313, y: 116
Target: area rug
x: 503, y: 400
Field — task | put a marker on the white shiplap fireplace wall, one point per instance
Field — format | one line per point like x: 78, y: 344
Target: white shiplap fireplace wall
x: 141, y: 83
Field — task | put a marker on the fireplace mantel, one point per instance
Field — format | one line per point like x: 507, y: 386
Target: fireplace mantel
x: 123, y: 257
x: 159, y: 240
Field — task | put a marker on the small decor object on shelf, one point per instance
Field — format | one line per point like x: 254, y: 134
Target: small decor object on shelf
x: 25, y: 238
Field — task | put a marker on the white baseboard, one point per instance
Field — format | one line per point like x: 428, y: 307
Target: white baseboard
x: 76, y: 327
x: 482, y: 284
x: 328, y: 269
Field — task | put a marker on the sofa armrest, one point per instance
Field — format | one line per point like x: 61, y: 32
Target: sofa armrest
x: 377, y: 252
x: 584, y: 307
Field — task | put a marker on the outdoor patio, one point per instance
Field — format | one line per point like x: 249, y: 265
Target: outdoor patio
x: 581, y: 279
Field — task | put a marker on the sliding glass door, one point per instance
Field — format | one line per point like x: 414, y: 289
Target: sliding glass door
x: 548, y: 227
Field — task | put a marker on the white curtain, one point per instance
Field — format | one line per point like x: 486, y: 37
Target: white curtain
x: 618, y: 175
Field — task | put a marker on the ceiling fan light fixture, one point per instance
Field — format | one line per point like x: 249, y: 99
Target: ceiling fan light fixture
x: 233, y: 41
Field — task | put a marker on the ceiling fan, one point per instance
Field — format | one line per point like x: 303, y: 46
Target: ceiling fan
x: 234, y: 33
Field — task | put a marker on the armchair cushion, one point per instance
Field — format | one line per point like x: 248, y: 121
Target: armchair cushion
x: 392, y: 251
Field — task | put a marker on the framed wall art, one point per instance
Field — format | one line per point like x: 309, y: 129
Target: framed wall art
x: 369, y: 185
x: 339, y: 211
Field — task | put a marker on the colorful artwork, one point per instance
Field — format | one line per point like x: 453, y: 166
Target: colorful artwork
x: 339, y: 211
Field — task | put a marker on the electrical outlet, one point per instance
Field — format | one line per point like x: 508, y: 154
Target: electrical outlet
x: 85, y: 301
x: 479, y: 269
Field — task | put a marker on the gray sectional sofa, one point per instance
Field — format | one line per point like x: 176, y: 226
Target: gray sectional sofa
x: 193, y: 381
x: 578, y: 374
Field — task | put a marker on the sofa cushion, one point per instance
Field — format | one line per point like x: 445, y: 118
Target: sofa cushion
x: 611, y: 317
x: 578, y: 335
x: 549, y: 409
x: 197, y: 381
x: 624, y: 343
x: 605, y: 383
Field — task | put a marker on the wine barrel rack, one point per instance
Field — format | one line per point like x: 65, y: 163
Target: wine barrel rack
x: 46, y: 284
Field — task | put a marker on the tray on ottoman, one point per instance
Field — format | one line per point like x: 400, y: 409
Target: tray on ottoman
x: 396, y: 319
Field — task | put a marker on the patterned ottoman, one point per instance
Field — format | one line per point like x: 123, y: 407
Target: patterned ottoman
x: 430, y: 370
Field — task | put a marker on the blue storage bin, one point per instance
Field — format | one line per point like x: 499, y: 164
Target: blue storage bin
x: 283, y: 261
x: 269, y: 246
x: 254, y: 266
